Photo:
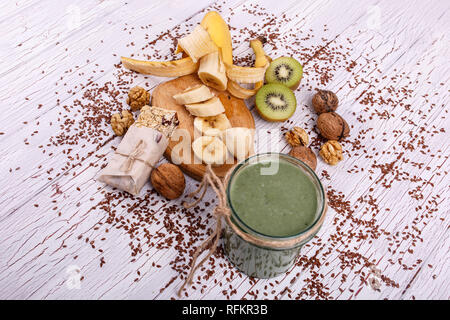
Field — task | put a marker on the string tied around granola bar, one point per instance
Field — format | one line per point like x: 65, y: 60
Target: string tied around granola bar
x: 220, y: 211
x: 133, y: 156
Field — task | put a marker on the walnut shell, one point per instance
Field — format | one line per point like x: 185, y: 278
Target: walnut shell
x: 325, y: 101
x: 306, y: 155
x: 121, y: 122
x: 168, y: 181
x: 137, y: 98
x: 332, y: 126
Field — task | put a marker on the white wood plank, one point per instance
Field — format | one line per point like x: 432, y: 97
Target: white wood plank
x: 39, y: 246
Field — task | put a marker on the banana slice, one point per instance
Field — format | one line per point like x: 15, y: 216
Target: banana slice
x: 195, y: 94
x: 175, y: 68
x: 197, y: 44
x: 212, y: 71
x: 246, y: 74
x: 240, y: 142
x: 209, y: 108
x: 212, y: 126
x: 210, y: 150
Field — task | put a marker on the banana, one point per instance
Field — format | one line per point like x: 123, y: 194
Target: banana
x: 219, y: 33
x: 195, y: 94
x: 210, y: 150
x: 212, y: 126
x: 210, y: 108
x: 246, y: 74
x: 239, y: 92
x: 175, y: 68
x: 197, y: 44
x: 240, y: 142
x: 212, y: 71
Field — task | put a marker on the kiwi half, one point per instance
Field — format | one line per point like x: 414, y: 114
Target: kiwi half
x: 285, y: 70
x: 275, y: 102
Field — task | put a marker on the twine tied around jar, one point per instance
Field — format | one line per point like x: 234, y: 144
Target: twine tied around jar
x: 223, y: 211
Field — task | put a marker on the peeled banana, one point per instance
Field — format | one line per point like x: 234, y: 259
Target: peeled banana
x: 195, y: 94
x: 175, y: 68
x: 239, y: 142
x: 209, y: 108
x: 197, y: 44
x: 212, y: 71
x: 210, y: 150
x: 212, y: 126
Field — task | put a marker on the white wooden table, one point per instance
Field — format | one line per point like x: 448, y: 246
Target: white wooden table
x: 388, y: 62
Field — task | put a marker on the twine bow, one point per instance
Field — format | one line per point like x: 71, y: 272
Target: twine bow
x: 133, y: 156
x: 221, y: 210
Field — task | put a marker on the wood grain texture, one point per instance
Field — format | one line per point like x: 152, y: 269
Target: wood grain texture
x: 235, y: 110
x: 386, y: 60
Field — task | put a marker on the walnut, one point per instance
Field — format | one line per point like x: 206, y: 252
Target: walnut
x: 297, y: 137
x: 168, y: 180
x: 332, y: 126
x: 325, y: 101
x: 306, y: 155
x: 137, y: 98
x: 331, y: 152
x: 120, y: 124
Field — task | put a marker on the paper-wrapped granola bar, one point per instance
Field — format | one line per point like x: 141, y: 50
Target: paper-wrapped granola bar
x: 141, y: 148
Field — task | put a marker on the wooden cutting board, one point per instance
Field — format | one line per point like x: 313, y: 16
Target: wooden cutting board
x: 235, y: 109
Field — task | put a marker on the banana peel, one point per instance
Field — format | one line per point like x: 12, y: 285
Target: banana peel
x: 174, y: 68
x: 246, y: 74
x: 219, y: 32
x: 239, y: 92
x: 261, y: 59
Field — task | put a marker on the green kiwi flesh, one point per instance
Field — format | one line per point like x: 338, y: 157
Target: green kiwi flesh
x: 285, y: 70
x: 275, y: 102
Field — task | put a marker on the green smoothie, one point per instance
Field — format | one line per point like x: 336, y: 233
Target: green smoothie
x: 279, y: 205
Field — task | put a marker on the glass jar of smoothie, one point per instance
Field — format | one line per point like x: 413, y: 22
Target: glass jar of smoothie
x: 277, y: 204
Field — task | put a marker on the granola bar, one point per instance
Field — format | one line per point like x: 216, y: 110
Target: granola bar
x: 165, y: 121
